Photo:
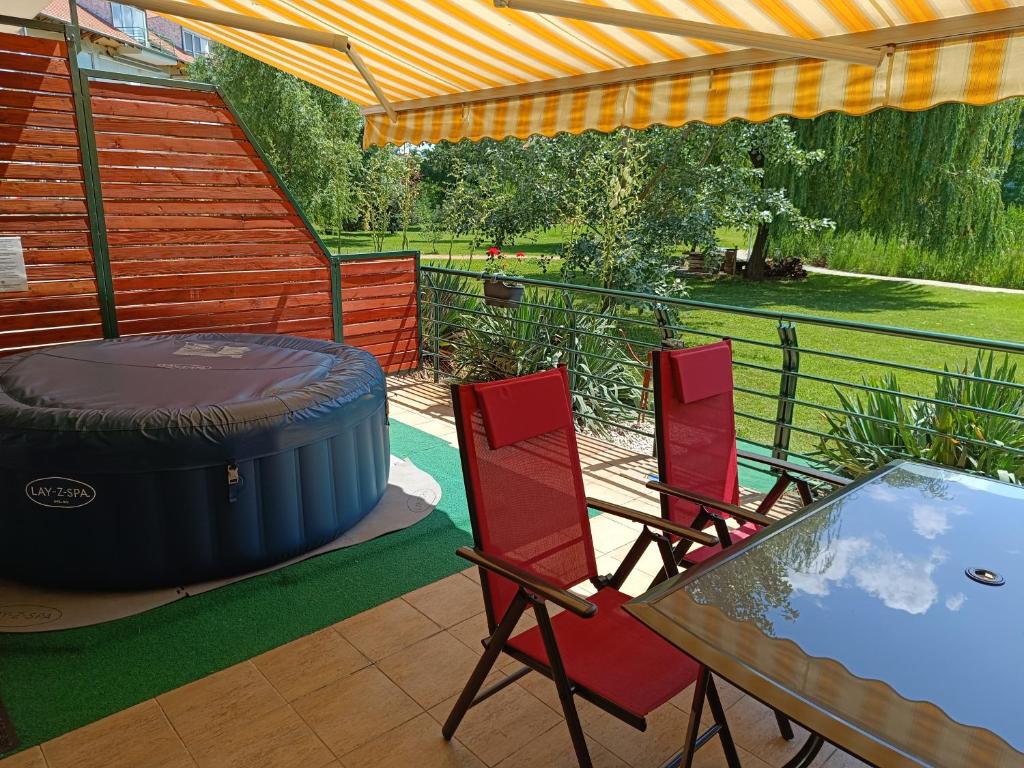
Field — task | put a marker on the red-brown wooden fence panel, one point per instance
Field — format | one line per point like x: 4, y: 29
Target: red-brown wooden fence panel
x: 202, y: 237
x: 200, y: 233
x: 42, y: 198
x: 380, y: 309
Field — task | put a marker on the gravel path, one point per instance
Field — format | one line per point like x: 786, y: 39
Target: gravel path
x: 917, y: 281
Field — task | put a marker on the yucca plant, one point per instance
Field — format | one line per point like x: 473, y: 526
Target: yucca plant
x: 986, y: 392
x: 543, y: 332
x: 505, y: 342
x: 878, y: 426
x: 446, y: 299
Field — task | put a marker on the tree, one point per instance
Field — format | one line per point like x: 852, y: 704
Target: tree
x: 380, y: 193
x: 632, y: 197
x: 754, y: 151
x: 503, y: 184
x: 609, y: 235
x: 410, y: 193
x: 1013, y: 179
x: 310, y: 135
x: 932, y: 178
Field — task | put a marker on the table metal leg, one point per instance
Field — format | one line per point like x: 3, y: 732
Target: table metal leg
x: 807, y: 752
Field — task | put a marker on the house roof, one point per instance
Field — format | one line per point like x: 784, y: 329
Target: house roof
x: 183, y: 56
x: 60, y: 10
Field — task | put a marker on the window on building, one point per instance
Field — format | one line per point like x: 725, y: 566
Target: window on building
x: 131, y: 21
x: 195, y: 44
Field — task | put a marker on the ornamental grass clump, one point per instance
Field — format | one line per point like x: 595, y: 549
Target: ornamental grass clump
x: 884, y: 424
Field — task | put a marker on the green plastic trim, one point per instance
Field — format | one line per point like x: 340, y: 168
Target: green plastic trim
x: 336, y: 309
x: 375, y: 255
x: 91, y: 174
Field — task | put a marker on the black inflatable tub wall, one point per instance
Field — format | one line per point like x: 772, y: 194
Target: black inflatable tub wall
x: 167, y: 460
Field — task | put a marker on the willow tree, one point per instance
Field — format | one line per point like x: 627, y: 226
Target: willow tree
x: 310, y: 135
x: 1013, y: 181
x: 934, y: 178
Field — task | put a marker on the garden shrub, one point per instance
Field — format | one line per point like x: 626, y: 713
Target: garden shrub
x: 882, y: 426
x: 541, y: 333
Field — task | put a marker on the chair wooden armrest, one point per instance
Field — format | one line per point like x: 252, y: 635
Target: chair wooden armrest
x: 795, y: 469
x: 659, y: 523
x: 710, y: 503
x: 561, y: 597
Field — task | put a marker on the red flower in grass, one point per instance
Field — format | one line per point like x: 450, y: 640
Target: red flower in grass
x: 494, y: 251
x: 520, y: 255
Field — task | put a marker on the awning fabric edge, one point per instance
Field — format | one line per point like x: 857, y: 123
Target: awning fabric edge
x: 977, y: 70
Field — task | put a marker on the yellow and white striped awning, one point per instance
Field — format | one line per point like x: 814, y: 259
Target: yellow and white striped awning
x: 453, y: 69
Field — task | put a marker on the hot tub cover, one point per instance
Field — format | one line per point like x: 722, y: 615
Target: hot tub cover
x: 183, y: 401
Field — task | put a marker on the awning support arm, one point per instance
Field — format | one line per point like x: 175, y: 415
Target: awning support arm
x: 794, y: 46
x: 359, y: 64
x: 318, y: 37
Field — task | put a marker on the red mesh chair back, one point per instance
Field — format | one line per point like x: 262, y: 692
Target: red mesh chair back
x: 523, y: 481
x: 696, y: 426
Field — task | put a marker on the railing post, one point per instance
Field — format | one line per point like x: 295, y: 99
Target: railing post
x: 435, y: 324
x: 664, y: 321
x: 572, y: 361
x: 334, y: 265
x: 787, y: 389
x: 419, y: 313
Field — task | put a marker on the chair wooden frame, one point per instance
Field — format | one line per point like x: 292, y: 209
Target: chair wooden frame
x: 534, y: 593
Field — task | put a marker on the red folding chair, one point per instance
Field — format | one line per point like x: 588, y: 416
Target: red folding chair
x: 533, y: 543
x: 698, y: 468
x: 695, y: 434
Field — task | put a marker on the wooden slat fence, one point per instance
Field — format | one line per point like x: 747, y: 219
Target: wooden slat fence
x: 380, y: 310
x: 42, y: 198
x: 201, y: 235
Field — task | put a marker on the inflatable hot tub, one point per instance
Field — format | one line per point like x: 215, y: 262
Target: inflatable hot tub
x: 167, y: 460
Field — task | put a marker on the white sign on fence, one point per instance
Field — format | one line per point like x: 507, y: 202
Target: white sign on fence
x: 12, y: 266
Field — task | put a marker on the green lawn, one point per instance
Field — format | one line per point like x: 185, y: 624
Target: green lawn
x: 953, y: 311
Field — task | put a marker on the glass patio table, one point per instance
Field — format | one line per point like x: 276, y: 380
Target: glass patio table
x: 887, y: 618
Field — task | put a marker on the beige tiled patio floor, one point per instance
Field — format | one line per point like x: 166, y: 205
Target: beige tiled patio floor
x: 373, y: 690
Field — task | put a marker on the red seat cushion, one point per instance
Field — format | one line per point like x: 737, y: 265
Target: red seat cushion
x: 614, y: 655
x: 700, y: 554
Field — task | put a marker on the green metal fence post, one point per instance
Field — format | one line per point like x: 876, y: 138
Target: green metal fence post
x: 787, y: 390
x: 419, y: 315
x: 435, y: 326
x: 334, y: 262
x: 91, y: 177
x: 573, y: 358
x: 664, y: 321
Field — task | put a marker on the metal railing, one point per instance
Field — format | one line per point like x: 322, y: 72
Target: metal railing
x: 786, y: 384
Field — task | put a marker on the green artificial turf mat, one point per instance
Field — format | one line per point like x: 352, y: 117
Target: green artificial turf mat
x: 54, y: 682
